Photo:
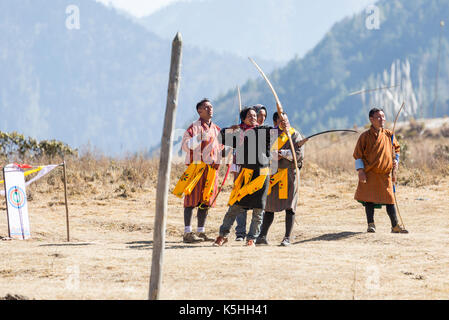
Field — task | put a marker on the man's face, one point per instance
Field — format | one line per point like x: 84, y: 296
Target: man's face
x: 279, y: 122
x: 261, y: 117
x: 206, y: 111
x: 251, y: 118
x: 378, y: 120
x: 284, y: 122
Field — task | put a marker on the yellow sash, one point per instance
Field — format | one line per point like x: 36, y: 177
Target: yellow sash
x: 190, y: 178
x: 209, y: 185
x: 280, y: 177
x: 281, y: 140
x: 243, y: 185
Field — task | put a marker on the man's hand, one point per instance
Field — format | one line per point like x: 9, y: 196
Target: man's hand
x: 301, y: 143
x: 284, y: 125
x: 362, y: 176
x: 395, y: 164
x: 395, y: 168
x: 276, y: 155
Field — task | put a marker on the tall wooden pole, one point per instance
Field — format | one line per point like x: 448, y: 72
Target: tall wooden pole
x: 438, y: 70
x: 66, y: 204
x: 163, y: 179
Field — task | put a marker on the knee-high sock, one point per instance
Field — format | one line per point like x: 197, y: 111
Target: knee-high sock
x: 202, y: 214
x: 289, y: 221
x: 188, y: 216
x: 369, y: 210
x: 268, y: 218
x: 391, y: 210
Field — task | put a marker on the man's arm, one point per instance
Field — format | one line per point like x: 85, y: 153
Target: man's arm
x: 358, y: 156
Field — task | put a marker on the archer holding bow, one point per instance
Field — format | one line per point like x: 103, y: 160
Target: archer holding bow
x: 283, y: 189
x: 252, y: 152
x: 374, y: 163
x: 199, y: 182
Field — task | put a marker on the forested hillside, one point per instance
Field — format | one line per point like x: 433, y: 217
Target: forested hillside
x: 404, y: 50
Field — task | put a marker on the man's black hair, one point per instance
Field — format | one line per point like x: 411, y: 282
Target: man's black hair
x: 244, y: 112
x: 373, y: 111
x: 259, y: 107
x: 198, y: 105
x: 276, y: 116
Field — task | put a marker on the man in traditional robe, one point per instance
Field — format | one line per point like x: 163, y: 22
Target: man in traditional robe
x: 240, y: 228
x: 199, y: 183
x: 283, y: 190
x: 376, y: 154
x: 252, y: 144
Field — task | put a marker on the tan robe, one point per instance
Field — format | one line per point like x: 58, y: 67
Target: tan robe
x: 376, y: 151
x: 274, y: 203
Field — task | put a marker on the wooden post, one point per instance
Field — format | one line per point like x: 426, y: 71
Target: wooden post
x: 163, y: 179
x: 66, y: 204
x: 438, y: 70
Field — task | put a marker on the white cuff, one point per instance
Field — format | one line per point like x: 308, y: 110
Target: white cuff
x: 235, y: 168
x: 359, y: 164
x: 193, y: 143
x: 287, y: 154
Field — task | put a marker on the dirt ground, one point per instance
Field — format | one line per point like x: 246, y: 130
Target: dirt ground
x: 331, y: 257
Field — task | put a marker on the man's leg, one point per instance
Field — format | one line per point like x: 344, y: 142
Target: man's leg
x: 188, y: 219
x: 189, y: 236
x: 201, y: 229
x: 267, y: 220
x: 391, y: 211
x: 395, y: 227
x: 289, y: 220
x: 228, y: 221
x: 240, y: 229
x: 369, y: 210
x: 256, y: 223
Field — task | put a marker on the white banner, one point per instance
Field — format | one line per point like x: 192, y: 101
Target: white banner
x: 43, y: 170
x: 16, y: 202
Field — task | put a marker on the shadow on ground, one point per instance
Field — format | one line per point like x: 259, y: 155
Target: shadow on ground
x: 331, y: 237
x: 68, y: 244
x: 143, y: 245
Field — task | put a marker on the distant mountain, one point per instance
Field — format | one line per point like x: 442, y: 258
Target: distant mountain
x: 104, y: 84
x: 263, y: 29
x: 315, y: 90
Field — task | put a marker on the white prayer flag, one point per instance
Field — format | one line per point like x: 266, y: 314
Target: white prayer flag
x: 43, y: 170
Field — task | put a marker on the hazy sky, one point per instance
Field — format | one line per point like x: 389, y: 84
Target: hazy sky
x: 139, y: 8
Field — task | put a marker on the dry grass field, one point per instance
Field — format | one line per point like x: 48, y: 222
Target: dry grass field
x: 112, y: 208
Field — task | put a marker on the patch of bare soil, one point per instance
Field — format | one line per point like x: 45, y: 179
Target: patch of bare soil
x: 331, y: 256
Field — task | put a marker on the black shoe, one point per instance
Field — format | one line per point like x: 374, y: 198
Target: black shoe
x: 398, y: 229
x: 371, y: 228
x: 191, y: 237
x: 285, y: 242
x: 262, y: 241
x: 240, y: 238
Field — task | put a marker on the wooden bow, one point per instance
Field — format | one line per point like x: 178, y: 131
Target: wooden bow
x: 394, y: 170
x: 281, y: 116
x: 229, y: 161
x: 240, y: 100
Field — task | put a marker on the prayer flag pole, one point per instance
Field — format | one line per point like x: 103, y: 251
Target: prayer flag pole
x: 66, y: 204
x: 163, y: 179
